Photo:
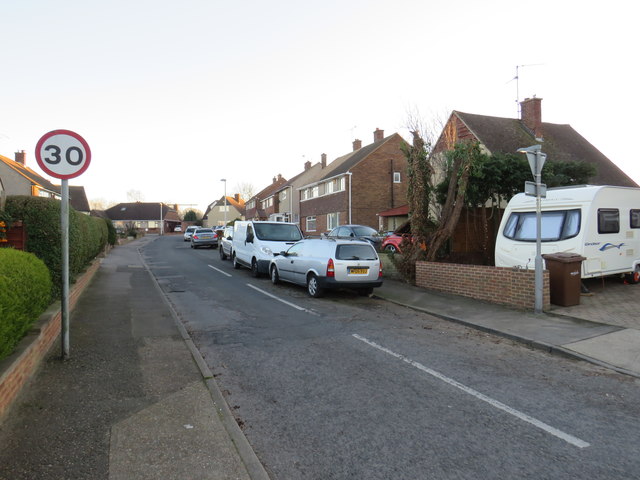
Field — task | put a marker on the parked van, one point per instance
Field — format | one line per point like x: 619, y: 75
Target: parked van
x: 254, y: 243
x: 601, y: 223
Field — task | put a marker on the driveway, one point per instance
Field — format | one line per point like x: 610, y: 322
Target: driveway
x: 609, y: 301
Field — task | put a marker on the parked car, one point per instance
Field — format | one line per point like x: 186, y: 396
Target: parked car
x: 187, y: 233
x: 204, y: 237
x: 254, y: 243
x: 361, y: 232
x: 392, y: 243
x: 329, y: 263
x: 225, y: 242
x: 177, y: 228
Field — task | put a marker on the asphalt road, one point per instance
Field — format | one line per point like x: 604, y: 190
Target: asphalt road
x: 353, y: 387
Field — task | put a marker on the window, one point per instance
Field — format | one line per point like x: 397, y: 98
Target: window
x: 304, y: 194
x: 396, y: 177
x: 333, y: 220
x: 224, y: 208
x: 283, y: 195
x: 608, y: 220
x: 315, y: 191
x: 311, y: 224
x: 556, y: 225
x: 634, y: 218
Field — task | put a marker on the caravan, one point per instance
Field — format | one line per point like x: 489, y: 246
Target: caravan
x: 601, y: 223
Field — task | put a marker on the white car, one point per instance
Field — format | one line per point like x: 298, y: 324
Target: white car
x: 178, y: 228
x: 189, y: 231
x: 329, y: 263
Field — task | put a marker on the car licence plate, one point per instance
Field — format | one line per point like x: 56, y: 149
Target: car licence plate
x: 358, y: 271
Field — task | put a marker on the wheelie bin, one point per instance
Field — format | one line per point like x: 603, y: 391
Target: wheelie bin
x: 564, y: 277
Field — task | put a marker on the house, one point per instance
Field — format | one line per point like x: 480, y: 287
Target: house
x: 287, y: 197
x: 21, y: 180
x: 263, y: 204
x: 354, y: 188
x: 149, y: 217
x: 475, y: 233
x: 78, y: 199
x: 218, y: 211
x: 506, y: 135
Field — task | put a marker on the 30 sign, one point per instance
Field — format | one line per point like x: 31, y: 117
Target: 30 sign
x: 63, y: 154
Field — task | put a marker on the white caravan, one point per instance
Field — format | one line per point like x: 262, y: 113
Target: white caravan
x: 254, y: 243
x: 601, y: 223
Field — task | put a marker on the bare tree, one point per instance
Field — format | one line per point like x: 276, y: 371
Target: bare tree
x: 135, y: 196
x: 245, y: 189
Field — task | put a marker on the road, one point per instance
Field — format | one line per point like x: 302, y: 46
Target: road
x: 353, y: 387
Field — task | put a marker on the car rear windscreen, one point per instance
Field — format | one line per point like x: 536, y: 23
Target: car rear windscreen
x: 355, y: 252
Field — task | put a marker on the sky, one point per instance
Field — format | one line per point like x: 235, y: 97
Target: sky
x: 172, y: 97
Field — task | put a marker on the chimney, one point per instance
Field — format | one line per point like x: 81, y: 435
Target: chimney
x: 21, y: 158
x: 237, y: 197
x: 531, y: 115
x: 307, y: 165
x: 323, y: 161
x: 378, y: 135
x: 357, y: 144
x: 175, y: 207
x: 274, y: 180
x: 279, y: 177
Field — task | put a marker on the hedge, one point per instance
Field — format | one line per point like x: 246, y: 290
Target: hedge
x: 25, y: 292
x: 41, y: 216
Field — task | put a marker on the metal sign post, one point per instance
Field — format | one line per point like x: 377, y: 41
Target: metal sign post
x: 63, y: 154
x: 536, y: 161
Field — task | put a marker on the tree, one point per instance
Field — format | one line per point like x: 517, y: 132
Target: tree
x: 190, y: 216
x: 245, y: 189
x: 135, y: 196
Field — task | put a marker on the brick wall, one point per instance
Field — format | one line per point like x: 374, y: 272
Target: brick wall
x: 19, y: 367
x: 500, y: 285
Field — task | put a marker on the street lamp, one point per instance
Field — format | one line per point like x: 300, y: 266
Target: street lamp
x: 225, y: 200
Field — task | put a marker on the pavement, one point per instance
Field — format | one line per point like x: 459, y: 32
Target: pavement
x: 135, y: 400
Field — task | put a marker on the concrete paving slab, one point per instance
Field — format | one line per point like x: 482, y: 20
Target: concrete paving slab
x: 179, y: 437
x: 621, y: 348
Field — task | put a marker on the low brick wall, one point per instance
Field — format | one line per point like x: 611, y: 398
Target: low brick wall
x: 19, y: 367
x: 504, y: 286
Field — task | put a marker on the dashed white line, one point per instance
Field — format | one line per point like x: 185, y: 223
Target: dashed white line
x: 495, y: 403
x: 218, y: 270
x: 297, y: 307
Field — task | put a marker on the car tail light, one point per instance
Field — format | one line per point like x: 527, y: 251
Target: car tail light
x: 195, y: 236
x: 380, y: 271
x: 331, y: 272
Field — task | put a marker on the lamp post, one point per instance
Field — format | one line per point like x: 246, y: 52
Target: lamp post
x: 225, y: 200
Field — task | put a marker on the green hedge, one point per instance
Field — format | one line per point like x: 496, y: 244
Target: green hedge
x: 25, y: 292
x: 41, y: 216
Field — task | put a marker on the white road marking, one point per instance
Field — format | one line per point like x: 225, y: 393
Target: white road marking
x: 297, y: 307
x: 218, y: 270
x: 501, y: 406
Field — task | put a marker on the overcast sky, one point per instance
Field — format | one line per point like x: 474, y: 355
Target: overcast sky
x: 173, y: 96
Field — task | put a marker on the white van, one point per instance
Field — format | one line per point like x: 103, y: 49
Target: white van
x: 254, y: 243
x: 601, y: 223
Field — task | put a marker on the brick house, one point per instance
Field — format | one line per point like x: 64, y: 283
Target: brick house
x: 149, y: 217
x: 287, y: 203
x: 215, y: 213
x: 354, y: 188
x: 264, y: 203
x: 474, y: 238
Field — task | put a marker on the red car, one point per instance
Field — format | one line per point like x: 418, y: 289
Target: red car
x: 392, y: 243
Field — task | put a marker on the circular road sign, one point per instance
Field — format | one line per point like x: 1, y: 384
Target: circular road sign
x: 63, y: 154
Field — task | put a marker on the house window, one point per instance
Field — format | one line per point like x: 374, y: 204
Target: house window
x: 333, y: 220
x: 311, y: 224
x: 396, y: 177
x: 608, y: 220
x: 329, y: 187
x: 634, y: 220
x: 283, y: 195
x: 315, y: 191
x: 224, y: 208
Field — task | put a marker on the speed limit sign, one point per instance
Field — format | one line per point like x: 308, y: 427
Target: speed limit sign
x: 63, y: 154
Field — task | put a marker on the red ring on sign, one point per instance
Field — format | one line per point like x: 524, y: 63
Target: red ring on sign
x: 85, y: 145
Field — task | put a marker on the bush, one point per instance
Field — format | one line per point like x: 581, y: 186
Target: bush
x: 41, y: 216
x: 25, y: 292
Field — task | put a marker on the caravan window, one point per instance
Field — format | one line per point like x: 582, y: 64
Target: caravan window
x: 608, y: 220
x: 556, y: 225
x: 634, y: 220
